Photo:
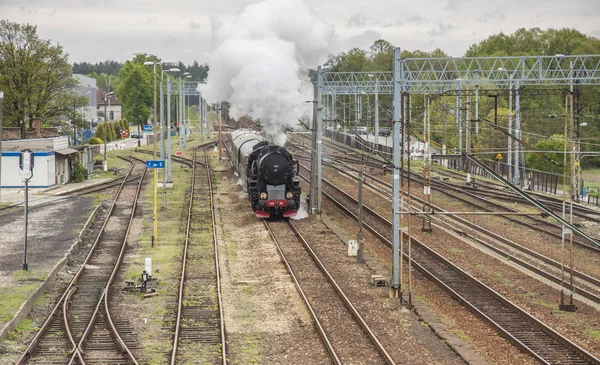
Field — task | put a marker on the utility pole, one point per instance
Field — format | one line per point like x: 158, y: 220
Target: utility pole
x: 201, y: 117
x: 162, y: 138
x: 359, y: 236
x: 181, y: 116
x: 155, y: 113
x: 396, y: 138
x: 313, y: 158
x: 1, y: 136
x: 169, y: 172
x: 427, y: 166
x: 220, y: 130
x: 319, y: 144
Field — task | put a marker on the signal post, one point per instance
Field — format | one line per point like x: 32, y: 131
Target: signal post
x: 155, y: 164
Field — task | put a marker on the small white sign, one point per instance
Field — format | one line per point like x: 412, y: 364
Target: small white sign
x: 468, y: 178
x: 352, y: 248
x: 148, y: 265
x: 426, y: 190
x: 567, y: 232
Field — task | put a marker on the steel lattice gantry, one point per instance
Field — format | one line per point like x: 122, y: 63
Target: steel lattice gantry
x: 438, y: 75
x: 443, y: 75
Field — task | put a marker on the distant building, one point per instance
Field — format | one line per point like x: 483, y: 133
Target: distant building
x: 87, y: 87
x: 113, y: 112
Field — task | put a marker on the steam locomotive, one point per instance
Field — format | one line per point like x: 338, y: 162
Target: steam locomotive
x: 268, y: 171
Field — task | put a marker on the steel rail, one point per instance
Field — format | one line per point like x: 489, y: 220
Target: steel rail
x: 104, y: 296
x: 436, y: 185
x: 184, y: 265
x: 345, y: 299
x: 75, y: 279
x: 78, y: 353
x: 216, y: 249
x: 316, y: 321
x: 532, y: 200
x: 506, y: 333
x: 193, y: 162
x: 582, y: 276
x: 66, y: 321
x: 116, y: 271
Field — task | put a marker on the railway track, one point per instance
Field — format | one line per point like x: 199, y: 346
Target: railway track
x: 497, y: 191
x: 585, y: 286
x: 199, y: 329
x: 535, y: 224
x: 516, y: 325
x: 335, y: 318
x: 553, y: 203
x: 81, y: 328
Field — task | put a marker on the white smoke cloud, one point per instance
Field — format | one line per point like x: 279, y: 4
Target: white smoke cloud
x: 260, y: 61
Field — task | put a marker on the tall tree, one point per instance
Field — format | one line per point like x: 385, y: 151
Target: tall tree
x: 35, y: 76
x: 135, y: 90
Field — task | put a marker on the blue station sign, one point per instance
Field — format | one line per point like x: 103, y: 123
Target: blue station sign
x: 148, y: 128
x: 155, y: 164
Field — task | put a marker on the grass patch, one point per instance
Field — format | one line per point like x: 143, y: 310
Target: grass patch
x: 530, y: 295
x: 481, y: 267
x: 13, y: 297
x: 594, y: 333
x: 543, y: 304
x: 501, y: 279
x: 455, y: 251
x: 460, y: 334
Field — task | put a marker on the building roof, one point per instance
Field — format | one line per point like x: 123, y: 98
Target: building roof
x: 85, y: 81
x: 100, y: 98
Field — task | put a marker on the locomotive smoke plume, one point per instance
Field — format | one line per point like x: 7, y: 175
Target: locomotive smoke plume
x: 259, y: 63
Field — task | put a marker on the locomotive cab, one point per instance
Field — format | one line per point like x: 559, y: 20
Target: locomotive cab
x: 273, y: 188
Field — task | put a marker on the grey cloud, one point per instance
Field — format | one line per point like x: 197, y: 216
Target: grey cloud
x: 452, y: 5
x: 397, y: 24
x: 416, y: 19
x: 28, y: 10
x: 363, y: 40
x: 357, y: 20
x: 491, y: 15
x: 192, y: 26
x: 441, y: 29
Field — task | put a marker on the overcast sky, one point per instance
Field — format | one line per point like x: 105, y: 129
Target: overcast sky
x: 97, y: 30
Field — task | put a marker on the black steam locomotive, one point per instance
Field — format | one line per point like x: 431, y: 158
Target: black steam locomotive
x: 268, y: 171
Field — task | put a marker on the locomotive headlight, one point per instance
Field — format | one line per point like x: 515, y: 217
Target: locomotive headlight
x: 263, y: 196
x: 289, y: 195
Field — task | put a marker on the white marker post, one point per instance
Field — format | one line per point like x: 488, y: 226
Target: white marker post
x: 26, y: 166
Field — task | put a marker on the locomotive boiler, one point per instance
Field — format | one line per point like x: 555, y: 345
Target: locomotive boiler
x: 269, y: 173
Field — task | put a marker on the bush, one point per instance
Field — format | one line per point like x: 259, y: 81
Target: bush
x: 95, y: 140
x: 79, y: 173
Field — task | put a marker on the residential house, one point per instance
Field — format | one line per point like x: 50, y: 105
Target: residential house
x: 109, y: 109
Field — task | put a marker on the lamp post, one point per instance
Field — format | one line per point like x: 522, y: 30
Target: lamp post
x: 1, y: 136
x: 90, y: 109
x: 376, y: 131
x: 368, y: 116
x: 106, y: 96
x: 186, y: 102
x: 148, y: 63
x: 169, y: 171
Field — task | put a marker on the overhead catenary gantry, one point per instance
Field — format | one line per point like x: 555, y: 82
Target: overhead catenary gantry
x: 469, y: 75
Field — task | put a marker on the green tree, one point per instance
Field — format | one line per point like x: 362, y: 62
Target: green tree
x: 36, y: 78
x: 546, y: 160
x: 136, y: 90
